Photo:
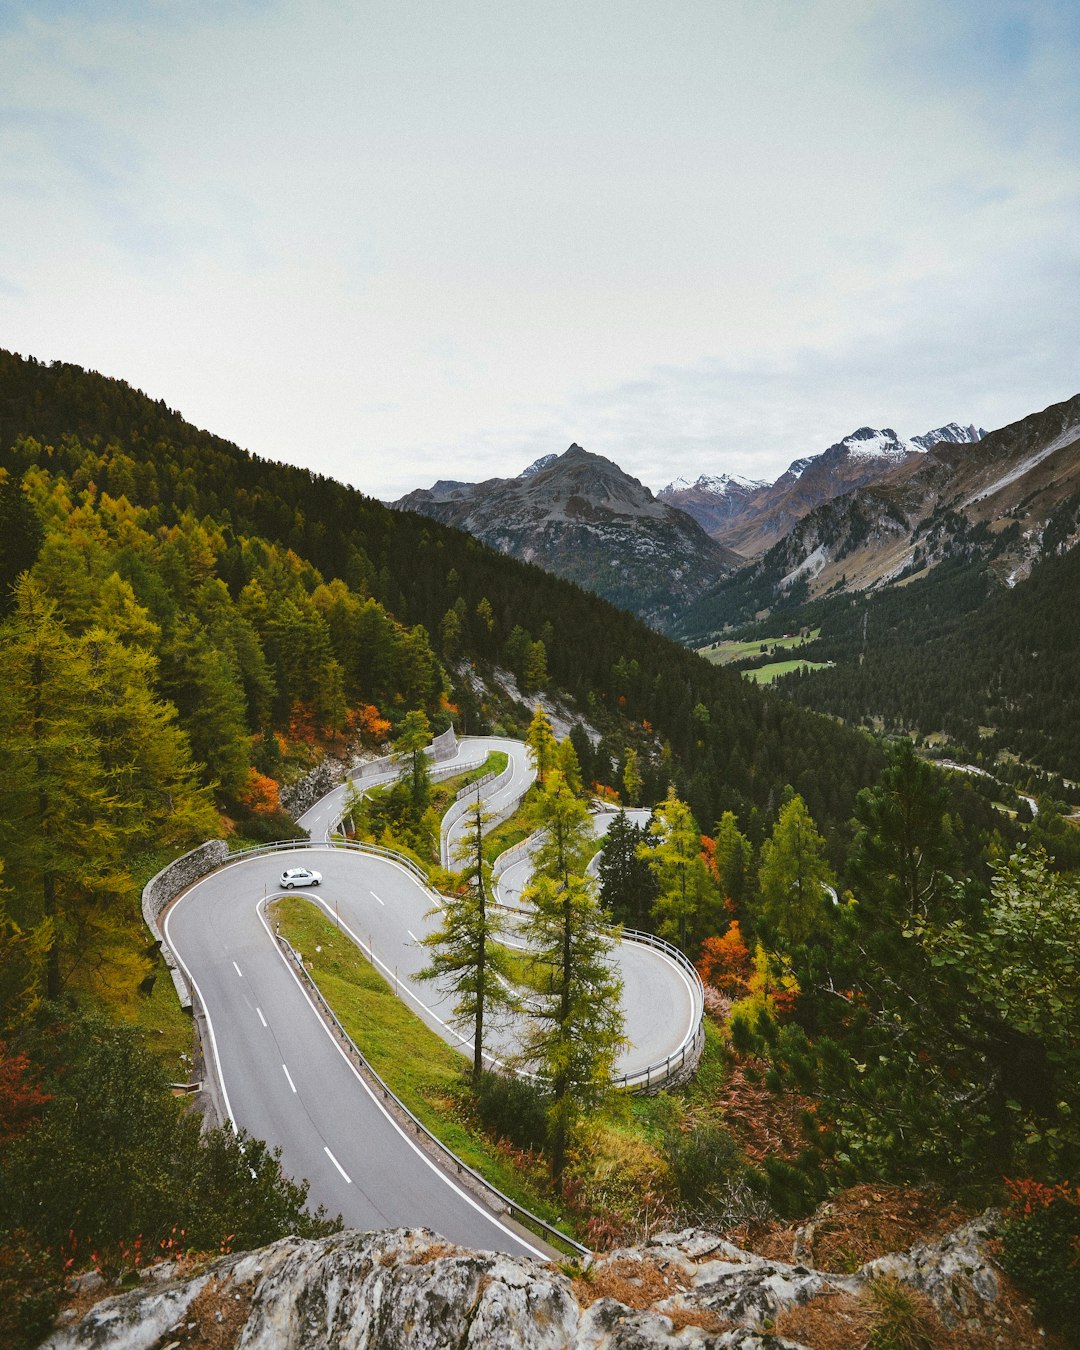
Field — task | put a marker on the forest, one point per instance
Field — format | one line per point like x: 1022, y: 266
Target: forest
x: 186, y: 629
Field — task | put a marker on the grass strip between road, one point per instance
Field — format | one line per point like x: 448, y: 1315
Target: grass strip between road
x: 417, y: 1065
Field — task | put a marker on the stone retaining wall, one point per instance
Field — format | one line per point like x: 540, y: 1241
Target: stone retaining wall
x: 166, y: 886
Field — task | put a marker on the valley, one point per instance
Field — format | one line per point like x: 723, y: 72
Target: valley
x: 243, y: 652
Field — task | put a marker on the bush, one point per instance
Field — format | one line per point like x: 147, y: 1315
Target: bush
x: 704, y: 1163
x: 513, y: 1109
x: 114, y: 1165
x: 1040, y: 1249
x: 30, y: 1285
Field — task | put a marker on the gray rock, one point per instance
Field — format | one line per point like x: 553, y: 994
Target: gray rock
x: 956, y: 1274
x: 408, y: 1289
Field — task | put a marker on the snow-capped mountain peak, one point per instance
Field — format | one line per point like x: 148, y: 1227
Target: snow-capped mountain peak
x: 538, y: 466
x: 872, y: 443
x: 718, y: 484
x: 952, y: 433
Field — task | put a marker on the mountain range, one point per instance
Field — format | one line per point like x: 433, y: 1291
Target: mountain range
x: 1004, y: 499
x: 580, y: 516
x: 750, y: 517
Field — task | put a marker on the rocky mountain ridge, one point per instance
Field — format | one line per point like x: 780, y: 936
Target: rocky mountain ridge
x: 408, y: 1289
x: 580, y: 516
x: 752, y: 521
x: 1007, y: 499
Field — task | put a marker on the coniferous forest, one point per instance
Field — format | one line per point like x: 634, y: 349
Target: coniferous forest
x: 187, y: 629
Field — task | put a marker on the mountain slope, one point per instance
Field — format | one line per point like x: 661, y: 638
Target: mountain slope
x: 578, y: 515
x: 407, y: 602
x: 751, y: 517
x: 1004, y: 500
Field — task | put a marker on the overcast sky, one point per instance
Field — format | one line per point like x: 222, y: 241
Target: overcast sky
x: 410, y: 239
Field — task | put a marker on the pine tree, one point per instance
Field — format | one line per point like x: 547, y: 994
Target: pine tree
x: 576, y: 1032
x: 733, y: 857
x: 412, y: 740
x: 793, y: 876
x: 467, y: 956
x: 21, y: 536
x: 631, y: 777
x: 59, y: 830
x: 628, y: 887
x: 542, y: 744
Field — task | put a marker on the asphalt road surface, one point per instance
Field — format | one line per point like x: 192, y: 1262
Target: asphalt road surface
x: 283, y: 1076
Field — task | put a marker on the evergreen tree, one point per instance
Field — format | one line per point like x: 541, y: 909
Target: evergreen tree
x: 467, y: 956
x: 59, y: 828
x: 21, y: 536
x: 412, y: 740
x: 203, y: 683
x: 542, y: 744
x: 901, y: 856
x: 733, y: 857
x: 579, y: 739
x: 628, y: 888
x: 793, y: 876
x: 576, y: 1031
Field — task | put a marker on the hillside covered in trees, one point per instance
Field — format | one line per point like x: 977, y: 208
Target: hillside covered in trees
x: 298, y: 601
x: 187, y: 628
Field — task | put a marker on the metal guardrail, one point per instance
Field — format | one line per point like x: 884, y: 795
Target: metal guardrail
x: 641, y: 1080
x: 284, y: 845
x: 660, y: 1071
x: 462, y: 1168
x: 459, y: 808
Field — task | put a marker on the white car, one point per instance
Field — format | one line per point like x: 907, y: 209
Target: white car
x: 299, y: 876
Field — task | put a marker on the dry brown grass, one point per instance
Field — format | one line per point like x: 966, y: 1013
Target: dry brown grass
x: 765, y: 1124
x: 215, y: 1318
x: 894, y: 1318
x: 638, y: 1284
x: 858, y: 1225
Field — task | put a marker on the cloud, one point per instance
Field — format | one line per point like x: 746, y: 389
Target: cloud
x: 408, y: 242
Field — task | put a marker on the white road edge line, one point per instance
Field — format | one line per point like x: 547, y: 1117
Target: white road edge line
x: 262, y: 1019
x: 412, y: 934
x: 288, y: 1075
x: 220, y: 1073
x: 337, y: 1165
x: 193, y: 984
x: 420, y: 1153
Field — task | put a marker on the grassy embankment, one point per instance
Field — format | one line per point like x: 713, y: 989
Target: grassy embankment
x: 426, y: 1073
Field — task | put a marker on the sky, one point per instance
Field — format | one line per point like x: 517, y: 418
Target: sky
x: 402, y: 240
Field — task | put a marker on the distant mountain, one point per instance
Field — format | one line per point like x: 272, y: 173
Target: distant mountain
x: 953, y: 433
x: 1005, y: 499
x: 714, y: 500
x: 751, y: 517
x: 578, y: 515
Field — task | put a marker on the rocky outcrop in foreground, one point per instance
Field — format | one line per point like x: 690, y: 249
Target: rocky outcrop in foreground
x: 407, y: 1289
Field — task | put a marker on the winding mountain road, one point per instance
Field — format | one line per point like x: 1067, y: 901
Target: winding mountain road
x: 283, y: 1076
